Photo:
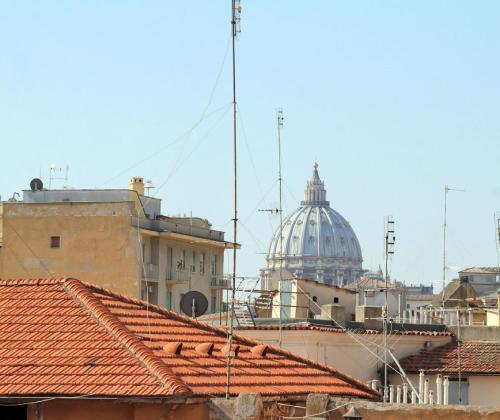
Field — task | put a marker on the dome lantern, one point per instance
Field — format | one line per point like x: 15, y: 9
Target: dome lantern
x: 315, y: 193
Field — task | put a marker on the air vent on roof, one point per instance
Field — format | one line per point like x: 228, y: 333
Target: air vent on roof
x: 172, y: 348
x: 260, y: 350
x: 234, y: 352
x: 205, y: 348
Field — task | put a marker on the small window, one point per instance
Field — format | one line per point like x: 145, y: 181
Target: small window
x: 335, y: 299
x: 315, y: 299
x: 202, y: 262
x: 193, y: 261
x: 55, y: 242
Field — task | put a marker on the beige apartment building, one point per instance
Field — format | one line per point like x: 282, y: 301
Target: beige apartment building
x: 117, y: 239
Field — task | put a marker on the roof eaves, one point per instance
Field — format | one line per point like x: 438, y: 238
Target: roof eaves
x: 145, y: 356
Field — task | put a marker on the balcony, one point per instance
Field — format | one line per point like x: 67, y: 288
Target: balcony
x: 150, y: 271
x: 178, y: 275
x: 224, y: 283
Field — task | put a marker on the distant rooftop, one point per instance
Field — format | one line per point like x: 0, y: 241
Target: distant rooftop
x: 481, y: 270
x: 477, y: 358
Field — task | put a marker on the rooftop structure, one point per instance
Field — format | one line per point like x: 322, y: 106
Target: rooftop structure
x: 317, y: 243
x: 484, y: 280
x: 62, y: 337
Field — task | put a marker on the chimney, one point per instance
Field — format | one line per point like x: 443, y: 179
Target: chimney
x: 137, y: 184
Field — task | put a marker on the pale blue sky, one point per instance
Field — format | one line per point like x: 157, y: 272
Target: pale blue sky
x: 393, y: 99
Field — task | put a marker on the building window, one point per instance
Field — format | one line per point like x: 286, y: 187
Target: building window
x: 55, y: 242
x: 169, y: 300
x: 193, y: 261
x: 213, y: 265
x: 181, y: 262
x: 335, y: 299
x: 202, y: 262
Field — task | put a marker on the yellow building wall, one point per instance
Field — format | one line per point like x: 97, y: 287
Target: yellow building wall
x: 98, y: 245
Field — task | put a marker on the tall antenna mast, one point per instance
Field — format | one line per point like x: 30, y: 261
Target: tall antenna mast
x: 279, y: 121
x: 390, y: 240
x: 497, y: 237
x: 446, y: 189
x: 235, y: 29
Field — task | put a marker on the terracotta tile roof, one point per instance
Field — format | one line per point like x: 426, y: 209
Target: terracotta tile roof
x: 480, y: 358
x: 307, y: 326
x: 63, y: 337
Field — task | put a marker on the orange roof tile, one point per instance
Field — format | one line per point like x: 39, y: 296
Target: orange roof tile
x: 64, y: 337
x: 476, y: 358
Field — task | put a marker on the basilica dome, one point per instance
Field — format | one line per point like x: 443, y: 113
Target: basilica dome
x: 316, y: 243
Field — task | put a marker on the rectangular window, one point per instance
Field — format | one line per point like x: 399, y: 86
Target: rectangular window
x: 193, y: 261
x: 213, y: 265
x: 202, y: 262
x: 181, y: 262
x: 55, y: 242
x: 169, y: 300
x: 456, y: 397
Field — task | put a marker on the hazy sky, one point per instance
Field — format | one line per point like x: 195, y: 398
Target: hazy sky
x: 393, y: 99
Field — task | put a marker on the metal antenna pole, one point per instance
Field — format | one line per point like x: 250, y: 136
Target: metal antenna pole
x: 235, y: 18
x: 389, y: 250
x: 446, y: 189
x: 279, y: 120
x: 459, y: 359
x: 497, y: 238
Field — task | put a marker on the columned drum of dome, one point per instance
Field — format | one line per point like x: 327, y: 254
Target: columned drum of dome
x: 318, y: 243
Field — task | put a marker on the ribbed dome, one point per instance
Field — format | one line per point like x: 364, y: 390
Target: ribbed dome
x: 317, y: 231
x: 317, y: 242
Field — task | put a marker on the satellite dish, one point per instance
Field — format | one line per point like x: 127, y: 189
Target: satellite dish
x: 36, y: 184
x: 194, y: 303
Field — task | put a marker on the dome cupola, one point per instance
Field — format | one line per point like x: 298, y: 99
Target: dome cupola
x: 316, y: 242
x: 315, y: 193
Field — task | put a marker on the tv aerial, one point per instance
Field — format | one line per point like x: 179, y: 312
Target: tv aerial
x: 194, y: 304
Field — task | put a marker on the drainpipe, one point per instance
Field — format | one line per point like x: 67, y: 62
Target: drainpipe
x: 446, y: 385
x: 439, y: 390
x: 426, y: 391
x: 421, y: 387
